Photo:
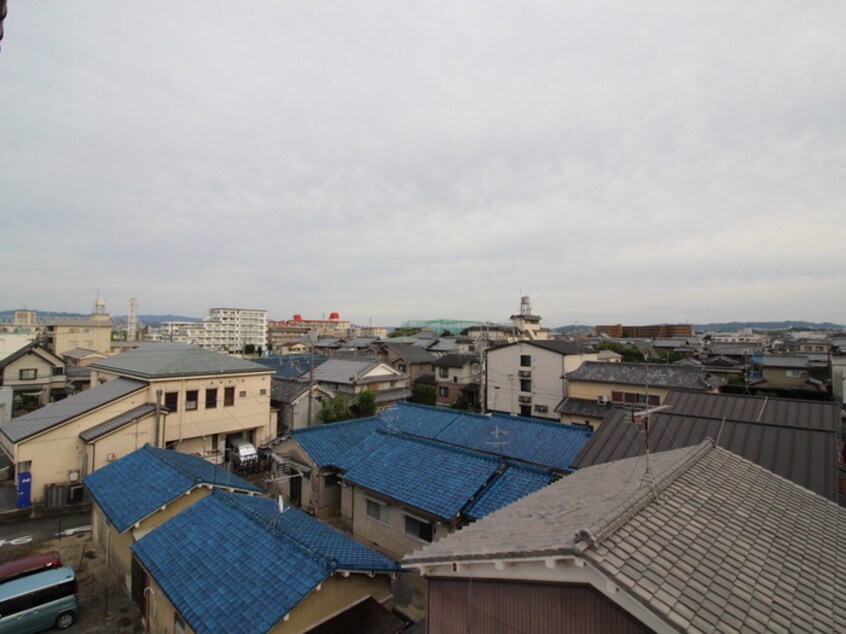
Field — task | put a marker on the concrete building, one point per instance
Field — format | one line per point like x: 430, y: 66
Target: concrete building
x: 232, y: 330
x: 646, y: 332
x: 526, y: 377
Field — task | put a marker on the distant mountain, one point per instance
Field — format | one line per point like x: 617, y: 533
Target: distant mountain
x: 148, y: 320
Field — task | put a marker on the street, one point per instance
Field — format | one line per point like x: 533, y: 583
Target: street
x: 17, y: 534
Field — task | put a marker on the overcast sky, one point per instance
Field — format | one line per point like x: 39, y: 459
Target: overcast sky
x: 631, y: 162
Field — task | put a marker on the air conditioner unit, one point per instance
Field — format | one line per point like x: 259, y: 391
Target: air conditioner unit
x: 602, y: 399
x: 73, y: 475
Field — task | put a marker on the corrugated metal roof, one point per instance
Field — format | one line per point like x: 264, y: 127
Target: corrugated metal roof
x: 793, y: 438
x: 234, y: 564
x: 721, y: 545
x: 62, y: 411
x: 136, y: 485
x: 160, y: 360
x: 117, y: 422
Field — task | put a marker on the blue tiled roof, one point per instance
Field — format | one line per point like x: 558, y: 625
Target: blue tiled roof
x: 516, y: 482
x: 232, y: 564
x: 434, y: 477
x: 131, y: 488
x: 532, y: 440
x: 327, y: 443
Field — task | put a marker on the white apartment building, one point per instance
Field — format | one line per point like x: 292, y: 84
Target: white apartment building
x: 222, y: 329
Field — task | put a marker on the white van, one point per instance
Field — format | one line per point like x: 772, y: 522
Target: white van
x: 241, y: 453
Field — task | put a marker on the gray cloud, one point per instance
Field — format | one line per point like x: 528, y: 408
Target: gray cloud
x: 666, y: 162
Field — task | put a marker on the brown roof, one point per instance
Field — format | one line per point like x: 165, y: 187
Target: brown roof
x: 793, y: 438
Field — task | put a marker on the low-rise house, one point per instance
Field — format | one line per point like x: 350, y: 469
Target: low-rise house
x: 290, y: 398
x: 318, y: 456
x: 788, y: 374
x: 526, y: 377
x: 172, y: 395
x: 348, y: 376
x: 236, y: 563
x: 36, y: 376
x: 595, y: 386
x: 408, y: 359
x: 458, y: 379
x: 796, y: 439
x: 692, y: 540
x: 144, y: 489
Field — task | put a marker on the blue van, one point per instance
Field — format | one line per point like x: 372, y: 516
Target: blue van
x: 39, y: 601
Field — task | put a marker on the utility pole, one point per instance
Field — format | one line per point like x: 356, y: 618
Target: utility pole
x: 310, y: 376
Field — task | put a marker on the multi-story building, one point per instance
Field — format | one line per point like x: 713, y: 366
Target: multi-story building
x: 280, y: 332
x: 234, y: 329
x: 646, y: 332
x: 526, y: 377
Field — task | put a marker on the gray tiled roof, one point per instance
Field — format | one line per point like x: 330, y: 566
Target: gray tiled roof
x: 287, y: 390
x: 159, y: 360
x: 722, y: 544
x: 117, y: 422
x: 62, y: 411
x: 782, y: 361
x: 655, y: 375
x: 582, y: 407
x: 412, y: 354
x: 796, y: 439
x: 456, y: 360
x: 81, y: 353
x: 345, y: 370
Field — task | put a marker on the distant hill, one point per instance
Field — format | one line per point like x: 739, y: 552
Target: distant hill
x: 732, y: 326
x: 148, y: 320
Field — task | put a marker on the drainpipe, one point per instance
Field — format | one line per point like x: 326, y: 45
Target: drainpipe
x: 159, y: 417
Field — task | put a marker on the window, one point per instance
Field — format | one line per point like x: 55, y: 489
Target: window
x: 443, y: 372
x: 525, y: 360
x: 401, y: 367
x: 228, y: 396
x: 191, y: 398
x: 242, y: 394
x: 443, y: 391
x: 378, y: 511
x: 418, y: 529
x: 525, y: 385
x: 27, y: 374
x: 541, y: 408
x: 171, y: 400
x: 796, y: 374
x: 58, y: 371
x: 263, y: 392
x: 178, y: 624
x: 211, y: 397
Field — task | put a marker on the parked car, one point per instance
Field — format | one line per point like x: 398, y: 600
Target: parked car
x: 39, y: 601
x: 241, y: 453
x: 29, y: 565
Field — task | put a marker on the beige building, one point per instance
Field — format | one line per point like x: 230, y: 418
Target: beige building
x: 36, y: 376
x: 94, y: 333
x: 527, y: 377
x: 173, y: 395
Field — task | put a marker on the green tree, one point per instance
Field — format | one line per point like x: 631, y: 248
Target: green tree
x: 365, y: 403
x: 424, y: 394
x: 403, y: 332
x: 629, y: 353
x: 335, y: 409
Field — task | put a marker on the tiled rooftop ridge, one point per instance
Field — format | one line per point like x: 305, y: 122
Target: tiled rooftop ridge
x: 273, y: 528
x: 591, y: 536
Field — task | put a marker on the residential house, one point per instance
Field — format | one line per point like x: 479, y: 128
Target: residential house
x: 297, y: 406
x: 290, y: 366
x: 348, y: 376
x: 142, y: 490
x: 319, y: 455
x: 527, y: 377
x: 739, y: 351
x: 36, y: 376
x: 595, y: 386
x: 291, y: 347
x: 408, y: 359
x: 713, y: 542
x: 796, y: 439
x: 237, y: 563
x: 458, y: 380
x: 788, y: 374
x: 185, y: 397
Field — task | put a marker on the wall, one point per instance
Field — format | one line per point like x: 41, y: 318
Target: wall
x: 121, y: 442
